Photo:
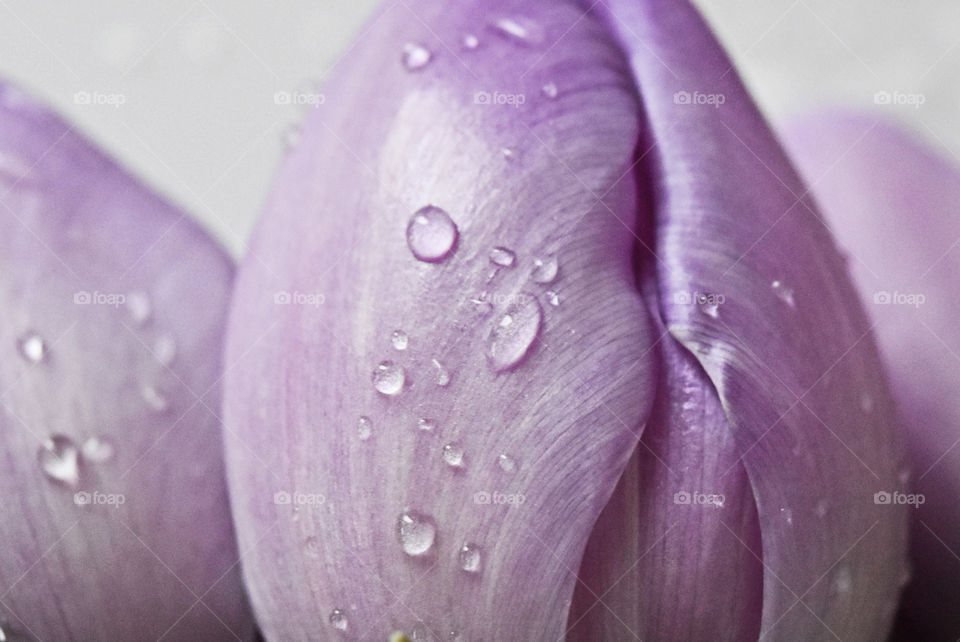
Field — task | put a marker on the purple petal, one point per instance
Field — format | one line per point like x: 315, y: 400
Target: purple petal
x: 115, y: 517
x: 893, y: 204
x: 413, y: 117
x: 753, y: 287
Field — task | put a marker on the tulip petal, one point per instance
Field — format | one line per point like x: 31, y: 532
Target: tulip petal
x: 115, y: 518
x: 893, y: 205
x: 421, y: 115
x: 752, y: 285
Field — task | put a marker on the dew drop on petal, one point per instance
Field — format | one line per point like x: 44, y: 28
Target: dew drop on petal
x: 165, y: 349
x: 60, y: 460
x: 399, y: 340
x: 364, y: 428
x: 545, y: 269
x: 502, y: 256
x: 32, y: 347
x: 552, y: 298
x: 426, y: 425
x: 712, y: 310
x: 550, y: 90
x: 520, y: 29
x: 338, y: 620
x: 783, y: 293
x: 787, y: 515
x: 138, y: 307
x: 471, y: 559
x: 470, y: 41
x: 431, y: 234
x: 416, y: 56
x: 822, y: 508
x: 389, y: 378
x: 843, y: 580
x: 513, y: 334
x: 443, y: 375
x: 416, y: 533
x: 866, y: 402
x: 97, y: 450
x: 453, y: 455
x: 507, y: 463
x: 154, y: 399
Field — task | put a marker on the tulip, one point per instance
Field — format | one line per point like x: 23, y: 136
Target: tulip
x: 541, y: 335
x: 892, y: 202
x: 115, y: 518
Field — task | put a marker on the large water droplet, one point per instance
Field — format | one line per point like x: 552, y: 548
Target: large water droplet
x: 520, y: 29
x: 155, y: 399
x: 471, y: 559
x: 399, y: 340
x: 338, y: 620
x: 138, y: 307
x: 389, y: 378
x: 552, y: 298
x: 443, y: 376
x: 431, y: 234
x: 416, y: 533
x: 545, y: 269
x: 550, y: 90
x: 453, y: 455
x: 97, y: 450
x: 504, y: 257
x: 507, y: 463
x: 416, y: 56
x: 783, y: 293
x: 364, y: 428
x: 60, y: 460
x: 470, y: 41
x: 513, y: 335
x: 32, y: 347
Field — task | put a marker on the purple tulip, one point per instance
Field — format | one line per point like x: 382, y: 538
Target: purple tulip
x: 115, y: 523
x: 516, y: 240
x: 901, y: 237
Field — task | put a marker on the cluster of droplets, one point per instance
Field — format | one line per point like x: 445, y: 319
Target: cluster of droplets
x: 61, y: 460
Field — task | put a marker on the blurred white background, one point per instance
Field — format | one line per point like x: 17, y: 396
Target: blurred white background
x: 198, y: 77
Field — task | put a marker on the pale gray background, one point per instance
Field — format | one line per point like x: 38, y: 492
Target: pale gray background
x: 200, y: 123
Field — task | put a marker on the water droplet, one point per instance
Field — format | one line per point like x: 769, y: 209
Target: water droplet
x: 507, y: 463
x: 96, y: 450
x: 338, y: 620
x: 471, y: 559
x: 364, y: 428
x: 416, y: 533
x: 710, y: 309
x: 165, y: 349
x: 822, y: 508
x: 32, y: 347
x: 389, y: 378
x: 866, y: 402
x: 545, y: 270
x: 155, y: 399
x: 399, y: 340
x: 508, y: 153
x: 138, y: 306
x: 550, y: 90
x: 431, y: 234
x: 784, y: 293
x: 520, y: 29
x: 470, y: 41
x: 416, y: 56
x: 443, y: 376
x: 843, y: 581
x: 3, y: 635
x: 787, y: 515
x: 426, y: 425
x: 453, y: 455
x: 502, y: 256
x: 60, y: 460
x: 513, y: 335
x: 552, y: 298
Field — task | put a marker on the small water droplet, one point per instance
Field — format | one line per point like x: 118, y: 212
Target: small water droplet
x: 416, y: 533
x: 338, y: 620
x: 138, y: 307
x: 399, y: 340
x: 784, y: 293
x: 453, y: 455
x: 155, y: 399
x: 32, y: 347
x: 508, y: 153
x: 843, y: 581
x: 507, y: 463
x: 416, y: 56
x: 165, y: 349
x: 866, y: 402
x: 502, y: 256
x: 550, y: 90
x: 787, y: 515
x: 552, y: 298
x: 364, y: 428
x: 60, y: 460
x: 520, y: 29
x: 822, y: 508
x: 545, y: 269
x: 426, y: 425
x: 96, y: 450
x: 389, y: 378
x: 443, y: 376
x: 431, y: 234
x: 470, y: 41
x: 512, y: 336
x: 471, y: 559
